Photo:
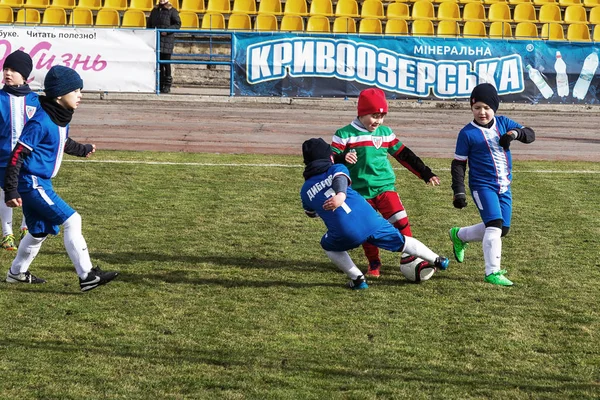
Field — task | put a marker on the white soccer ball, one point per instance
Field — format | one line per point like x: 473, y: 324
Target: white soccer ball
x: 417, y: 270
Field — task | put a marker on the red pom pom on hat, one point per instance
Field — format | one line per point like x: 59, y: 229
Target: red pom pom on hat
x: 372, y: 101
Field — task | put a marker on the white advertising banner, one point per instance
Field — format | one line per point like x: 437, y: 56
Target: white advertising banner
x: 108, y: 60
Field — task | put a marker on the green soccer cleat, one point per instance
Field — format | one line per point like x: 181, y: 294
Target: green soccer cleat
x: 8, y: 243
x: 458, y: 246
x: 23, y: 233
x: 498, y: 278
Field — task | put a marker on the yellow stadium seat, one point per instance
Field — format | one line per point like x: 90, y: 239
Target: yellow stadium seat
x: 28, y: 16
x: 239, y: 22
x: 566, y: 3
x: 474, y: 29
x: 269, y: 7
x: 218, y: 6
x: 596, y: 37
x: 595, y: 15
x: 296, y: 7
x: 107, y: 18
x: 396, y: 26
x: 7, y: 16
x: 578, y: 33
x: 552, y: 31
x: 141, y: 5
x: 499, y: 12
x: 317, y: 23
x: 65, y: 4
x: 447, y: 28
x: 370, y: 25
x: 423, y: 10
x: 213, y: 21
x: 93, y: 5
x: 575, y: 15
x: 81, y: 16
x: 422, y: 27
x: 524, y: 12
x: 490, y: 2
x: 119, y: 5
x: 344, y: 25
x: 55, y: 16
x: 321, y: 7
x: 12, y: 3
x: 196, y: 6
x: 244, y: 7
x: 474, y: 12
x: 133, y: 19
x: 266, y: 22
x: 515, y: 2
x: 443, y: 1
x: 36, y: 4
x: 526, y: 30
x: 500, y: 30
x: 542, y: 2
x: 346, y: 8
x: 189, y: 20
x: 372, y: 9
x: 292, y: 23
x: 591, y: 3
x: 549, y: 13
x: 448, y: 11
x: 398, y: 10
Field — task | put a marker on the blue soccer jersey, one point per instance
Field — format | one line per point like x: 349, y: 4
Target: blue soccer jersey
x: 489, y: 164
x: 15, y: 111
x: 46, y: 140
x: 350, y: 224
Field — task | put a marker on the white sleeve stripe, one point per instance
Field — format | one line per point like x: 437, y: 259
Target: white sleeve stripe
x: 346, y: 175
x: 460, y: 158
x: 24, y: 145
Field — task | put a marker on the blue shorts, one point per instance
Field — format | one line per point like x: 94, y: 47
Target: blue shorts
x: 44, y: 211
x: 387, y: 238
x: 493, y: 205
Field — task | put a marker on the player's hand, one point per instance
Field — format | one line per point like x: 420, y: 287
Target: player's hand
x: 14, y: 203
x: 434, y: 181
x: 506, y: 139
x: 351, y: 157
x: 334, y: 202
x: 459, y: 201
x: 92, y: 151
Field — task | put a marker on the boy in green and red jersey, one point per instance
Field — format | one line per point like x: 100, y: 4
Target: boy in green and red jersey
x: 364, y: 146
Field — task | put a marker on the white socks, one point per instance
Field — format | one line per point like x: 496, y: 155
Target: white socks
x: 414, y: 247
x: 28, y: 249
x: 6, y: 214
x: 492, y: 249
x: 473, y: 233
x: 342, y: 260
x: 76, y: 245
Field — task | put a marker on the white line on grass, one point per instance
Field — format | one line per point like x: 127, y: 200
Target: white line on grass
x: 194, y: 164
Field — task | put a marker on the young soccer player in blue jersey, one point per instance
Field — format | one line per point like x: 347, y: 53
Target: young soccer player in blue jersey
x: 33, y: 163
x: 349, y: 218
x: 17, y: 105
x: 484, y: 144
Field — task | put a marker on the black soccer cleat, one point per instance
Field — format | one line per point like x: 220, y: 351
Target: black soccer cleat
x: 96, y: 277
x: 441, y: 263
x: 24, y: 277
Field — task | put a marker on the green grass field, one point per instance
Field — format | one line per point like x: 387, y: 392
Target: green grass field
x: 225, y: 293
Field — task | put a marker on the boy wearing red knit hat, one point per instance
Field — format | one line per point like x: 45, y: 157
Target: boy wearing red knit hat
x: 363, y: 146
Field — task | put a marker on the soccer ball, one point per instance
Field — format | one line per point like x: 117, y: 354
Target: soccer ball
x: 416, y: 269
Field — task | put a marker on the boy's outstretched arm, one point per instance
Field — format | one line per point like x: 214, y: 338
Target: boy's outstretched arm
x: 458, y: 169
x: 77, y: 149
x: 414, y: 164
x: 524, y: 135
x: 11, y: 176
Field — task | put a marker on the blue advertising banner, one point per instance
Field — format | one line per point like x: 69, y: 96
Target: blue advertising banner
x: 303, y: 65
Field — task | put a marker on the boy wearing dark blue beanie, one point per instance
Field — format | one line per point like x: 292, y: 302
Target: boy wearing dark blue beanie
x: 485, y: 144
x: 33, y: 163
x: 17, y: 105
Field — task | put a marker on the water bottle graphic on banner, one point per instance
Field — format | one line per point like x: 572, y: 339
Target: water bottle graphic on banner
x: 562, y: 81
x: 540, y: 82
x: 585, y: 77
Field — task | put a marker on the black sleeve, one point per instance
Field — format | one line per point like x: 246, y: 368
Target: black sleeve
x: 340, y: 184
x: 458, y: 170
x: 339, y: 158
x: 414, y: 164
x: 175, y: 19
x: 74, y: 148
x: 13, y: 168
x: 525, y: 134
